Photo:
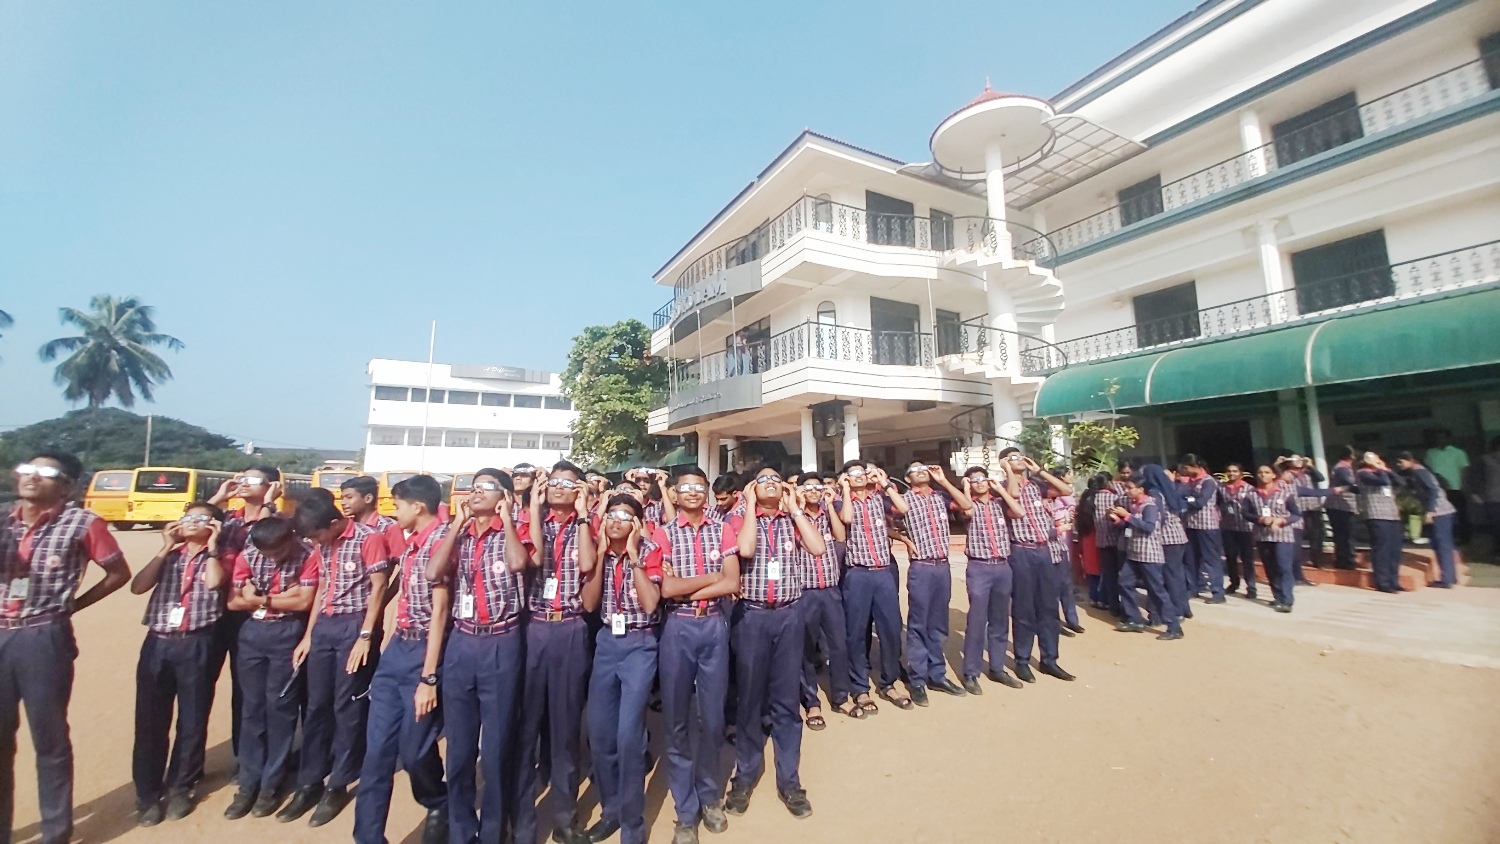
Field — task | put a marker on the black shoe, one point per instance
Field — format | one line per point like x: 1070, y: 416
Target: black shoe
x: 1306, y: 583
x: 1233, y: 587
x: 796, y: 802
x: 685, y: 833
x: 1023, y: 671
x: 1438, y: 584
x: 602, y: 831
x: 265, y: 805
x: 240, y: 805
x: 179, y: 806
x: 435, y: 827
x: 1387, y: 590
x: 713, y: 817
x: 149, y: 816
x: 971, y: 685
x: 949, y: 687
x: 1130, y: 627
x: 1187, y: 614
x: 1169, y: 636
x: 1004, y: 679
x: 1219, y: 600
x: 335, y: 799
x: 919, y: 695
x: 1282, y: 607
x: 1076, y: 628
x: 1052, y: 669
x: 569, y: 836
x: 1065, y: 631
x: 302, y: 802
x: 738, y: 800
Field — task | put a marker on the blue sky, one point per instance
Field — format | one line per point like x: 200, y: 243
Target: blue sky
x: 300, y: 187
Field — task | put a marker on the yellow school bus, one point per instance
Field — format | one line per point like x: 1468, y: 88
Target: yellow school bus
x: 332, y: 477
x: 161, y: 493
x: 385, y: 504
x: 463, y: 483
x: 109, y: 494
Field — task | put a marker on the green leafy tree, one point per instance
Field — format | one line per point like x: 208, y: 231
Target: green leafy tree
x: 112, y: 357
x: 612, y: 379
x: 1094, y: 447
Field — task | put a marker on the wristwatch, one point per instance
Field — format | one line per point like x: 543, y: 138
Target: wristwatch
x: 429, y: 680
x: 366, y: 635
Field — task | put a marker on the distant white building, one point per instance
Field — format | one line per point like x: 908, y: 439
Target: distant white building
x: 473, y: 415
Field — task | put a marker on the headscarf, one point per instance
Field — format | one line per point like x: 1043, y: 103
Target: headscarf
x: 1154, y: 480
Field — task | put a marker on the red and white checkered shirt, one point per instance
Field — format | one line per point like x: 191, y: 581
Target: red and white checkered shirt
x: 655, y: 510
x: 1234, y: 507
x: 1139, y: 537
x: 927, y: 523
x: 1170, y: 531
x: 42, y: 566
x: 1377, y: 495
x: 778, y: 549
x: 1036, y: 525
x: 1061, y: 510
x: 271, y: 578
x: 988, y: 539
x: 414, y: 605
x: 1106, y: 532
x: 559, y: 560
x: 1278, y: 504
x: 395, y: 539
x: 346, y: 567
x: 690, y: 551
x: 620, y: 595
x: 869, y: 540
x: 821, y: 571
x: 1203, y: 493
x: 482, y: 572
x: 181, y: 585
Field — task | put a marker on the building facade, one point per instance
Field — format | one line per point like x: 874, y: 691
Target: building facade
x: 1274, y: 225
x: 461, y: 418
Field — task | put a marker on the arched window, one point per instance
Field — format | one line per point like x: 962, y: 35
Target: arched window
x: 823, y: 212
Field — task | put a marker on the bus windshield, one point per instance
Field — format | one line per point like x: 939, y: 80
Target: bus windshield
x: 333, y: 480
x: 393, y: 478
x: 156, y: 480
x: 112, y: 482
x: 463, y: 483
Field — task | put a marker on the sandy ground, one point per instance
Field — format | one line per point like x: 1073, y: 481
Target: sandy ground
x: 1227, y: 735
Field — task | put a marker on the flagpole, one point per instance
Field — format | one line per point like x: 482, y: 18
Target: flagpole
x: 427, y: 405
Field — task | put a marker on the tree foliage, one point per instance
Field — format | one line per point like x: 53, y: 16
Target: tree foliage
x: 1093, y: 447
x: 113, y: 356
x: 612, y: 379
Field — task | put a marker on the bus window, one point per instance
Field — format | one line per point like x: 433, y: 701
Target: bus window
x: 159, y: 481
x: 112, y: 481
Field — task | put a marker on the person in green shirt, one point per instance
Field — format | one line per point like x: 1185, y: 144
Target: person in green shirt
x: 1449, y: 462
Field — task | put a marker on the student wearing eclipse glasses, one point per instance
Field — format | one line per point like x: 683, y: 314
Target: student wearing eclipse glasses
x: 44, y: 549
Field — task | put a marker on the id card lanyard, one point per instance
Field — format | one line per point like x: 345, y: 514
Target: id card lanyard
x: 617, y: 620
x: 177, y: 617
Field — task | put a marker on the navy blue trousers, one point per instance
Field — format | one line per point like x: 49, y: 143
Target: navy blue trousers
x: 269, y: 718
x: 1206, y: 561
x: 1033, y: 607
x: 1153, y: 576
x: 1442, y: 546
x: 1280, y: 562
x: 227, y: 648
x: 1109, y: 578
x: 1385, y: 552
x: 172, y: 673
x: 619, y: 692
x: 1239, y: 558
x: 1177, y: 579
x: 825, y: 627
x: 929, y: 589
x: 768, y: 645
x: 557, y: 675
x: 1341, y: 524
x: 333, y: 726
x: 694, y: 658
x: 988, y: 625
x: 480, y: 694
x: 394, y: 737
x: 36, y: 669
x: 871, y: 594
x: 1063, y: 573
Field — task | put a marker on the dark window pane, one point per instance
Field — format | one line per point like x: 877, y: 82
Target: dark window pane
x: 528, y: 401
x: 418, y: 394
x: 161, y: 481
x: 435, y: 397
x: 1489, y: 45
x: 557, y: 403
x: 1140, y: 200
x: 390, y: 394
x: 1167, y: 316
x: 495, y: 399
x: 1316, y: 130
x: 891, y: 221
x: 462, y: 397
x: 949, y: 333
x: 1342, y: 273
x: 942, y: 230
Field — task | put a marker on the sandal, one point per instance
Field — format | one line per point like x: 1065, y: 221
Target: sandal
x: 898, y: 702
x: 856, y: 710
x: 816, y: 722
x: 867, y: 706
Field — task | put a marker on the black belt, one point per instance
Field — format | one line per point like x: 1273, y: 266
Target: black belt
x: 492, y: 629
x: 554, y: 615
x: 769, y: 605
x: 697, y: 612
x: 182, y: 634
x: 25, y: 622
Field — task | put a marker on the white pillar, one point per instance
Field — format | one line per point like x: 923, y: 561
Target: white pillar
x: 1280, y: 309
x: 1003, y: 318
x: 1289, y: 411
x: 809, y: 442
x: 1315, y: 430
x: 708, y: 453
x: 1252, y: 139
x: 994, y: 189
x: 851, y: 432
x: 1007, y: 412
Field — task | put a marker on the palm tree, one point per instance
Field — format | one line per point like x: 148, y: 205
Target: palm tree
x: 113, y: 356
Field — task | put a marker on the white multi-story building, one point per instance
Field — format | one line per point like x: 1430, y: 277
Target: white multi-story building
x: 1273, y: 224
x: 472, y: 416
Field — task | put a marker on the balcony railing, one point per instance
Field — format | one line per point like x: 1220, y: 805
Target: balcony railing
x: 1419, y: 100
x: 978, y: 340
x: 1323, y: 298
x: 818, y: 341
x: 662, y: 316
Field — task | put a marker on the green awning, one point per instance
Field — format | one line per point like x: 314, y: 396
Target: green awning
x: 1436, y: 335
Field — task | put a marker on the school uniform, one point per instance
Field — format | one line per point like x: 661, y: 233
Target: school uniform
x: 1145, y: 565
x: 1377, y: 504
x: 40, y: 569
x: 557, y: 673
x: 1435, y: 503
x: 1205, y: 538
x: 395, y: 538
x: 693, y: 659
x: 1238, y: 533
x: 1060, y: 548
x: 173, y: 671
x: 1033, y: 609
x: 483, y: 671
x: 1174, y: 545
x: 394, y: 737
x: 823, y: 621
x: 625, y: 662
x: 268, y: 723
x: 1343, y: 509
x: 1107, y: 543
x: 232, y: 538
x: 768, y: 640
x: 1278, y: 546
x: 1311, y: 498
x: 988, y: 580
x: 871, y: 594
x: 929, y: 585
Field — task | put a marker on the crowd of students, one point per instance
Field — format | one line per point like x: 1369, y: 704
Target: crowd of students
x: 554, y: 606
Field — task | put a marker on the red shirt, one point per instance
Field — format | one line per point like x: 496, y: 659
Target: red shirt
x: 395, y: 540
x: 41, y: 566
